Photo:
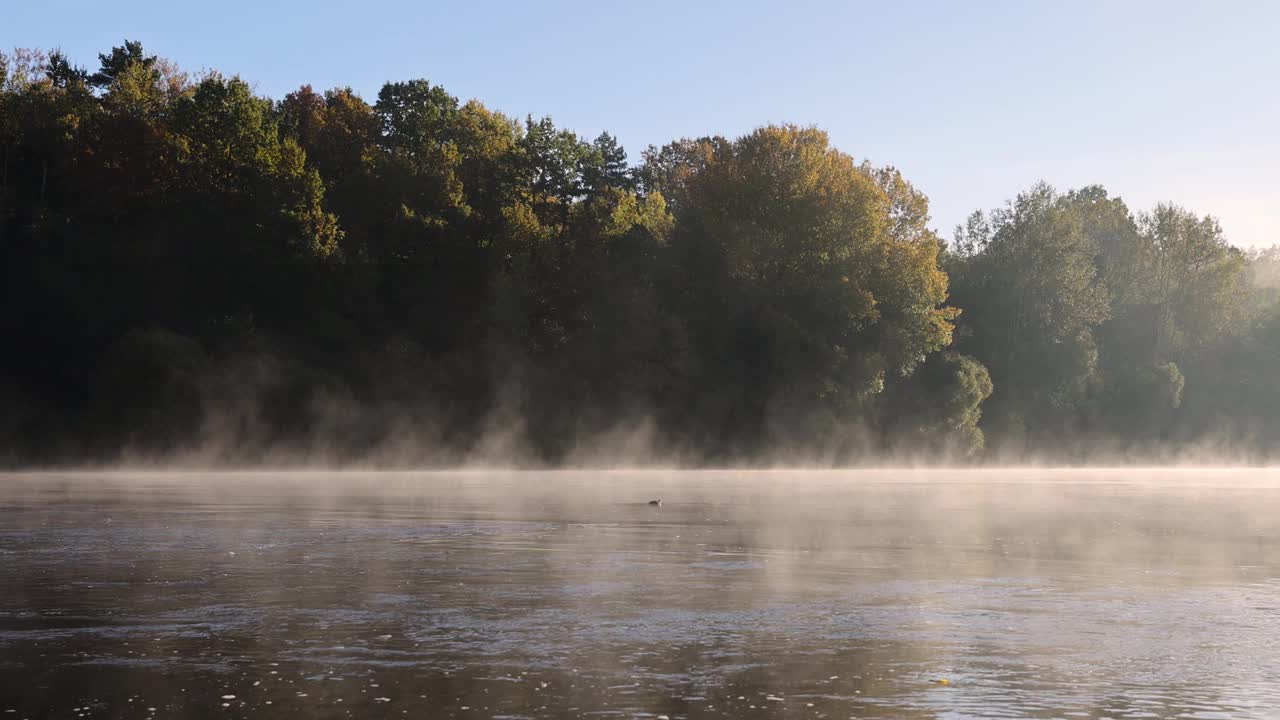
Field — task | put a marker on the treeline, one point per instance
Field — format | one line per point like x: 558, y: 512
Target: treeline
x: 186, y: 266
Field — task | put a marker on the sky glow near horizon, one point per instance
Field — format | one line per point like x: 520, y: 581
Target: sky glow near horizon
x: 1158, y: 101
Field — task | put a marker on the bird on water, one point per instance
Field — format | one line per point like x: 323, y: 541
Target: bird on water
x: 657, y: 503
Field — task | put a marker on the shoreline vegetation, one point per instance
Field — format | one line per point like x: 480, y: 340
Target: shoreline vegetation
x: 192, y: 273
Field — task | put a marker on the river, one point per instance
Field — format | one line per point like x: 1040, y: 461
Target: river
x: 1124, y: 593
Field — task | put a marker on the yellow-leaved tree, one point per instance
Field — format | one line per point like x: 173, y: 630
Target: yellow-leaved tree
x: 816, y: 279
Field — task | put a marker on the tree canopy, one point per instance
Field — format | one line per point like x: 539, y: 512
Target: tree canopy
x: 187, y: 266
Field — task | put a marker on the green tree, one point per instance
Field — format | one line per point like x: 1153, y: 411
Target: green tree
x: 936, y: 412
x: 120, y: 58
x: 606, y: 165
x: 1198, y: 281
x: 1027, y: 279
x: 62, y: 73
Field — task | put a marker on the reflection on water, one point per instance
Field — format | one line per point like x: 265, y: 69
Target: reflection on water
x: 1134, y: 594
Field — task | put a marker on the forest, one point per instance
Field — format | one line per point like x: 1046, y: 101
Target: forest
x: 189, y: 270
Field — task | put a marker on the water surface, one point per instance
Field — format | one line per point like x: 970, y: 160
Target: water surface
x: 853, y: 594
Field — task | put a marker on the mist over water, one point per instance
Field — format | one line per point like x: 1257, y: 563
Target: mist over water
x: 870, y: 593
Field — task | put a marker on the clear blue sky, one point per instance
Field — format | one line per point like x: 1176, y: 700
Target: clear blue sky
x: 1158, y: 100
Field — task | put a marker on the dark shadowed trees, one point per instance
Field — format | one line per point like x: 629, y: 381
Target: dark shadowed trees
x: 183, y: 261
